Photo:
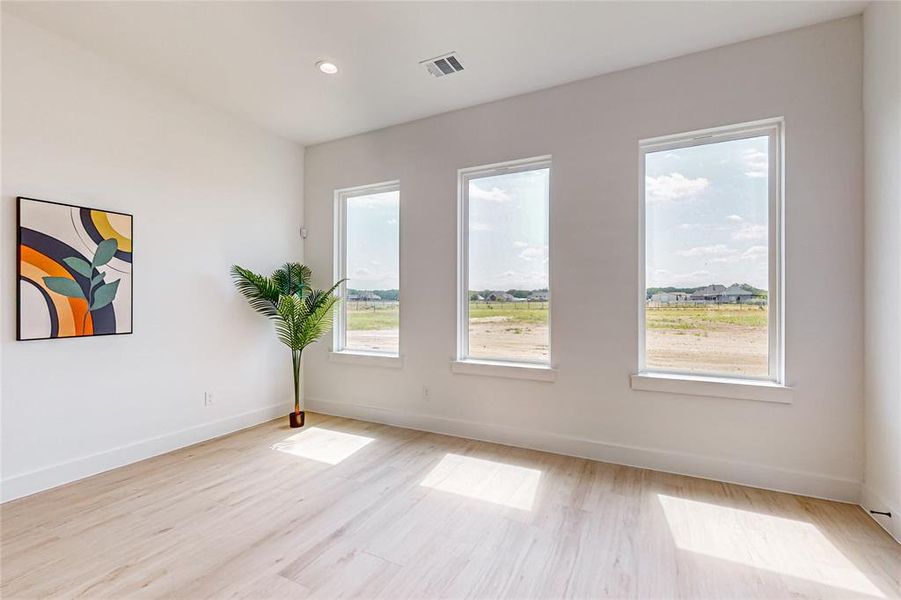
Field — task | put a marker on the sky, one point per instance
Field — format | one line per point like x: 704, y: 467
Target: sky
x: 508, y: 231
x: 508, y: 239
x: 706, y: 215
x: 373, y: 241
x: 706, y: 223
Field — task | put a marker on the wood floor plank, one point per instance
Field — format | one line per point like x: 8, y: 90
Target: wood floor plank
x: 346, y: 508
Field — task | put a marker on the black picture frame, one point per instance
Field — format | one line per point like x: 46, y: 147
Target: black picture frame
x: 19, y: 277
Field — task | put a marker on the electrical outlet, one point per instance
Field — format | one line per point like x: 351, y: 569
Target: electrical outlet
x: 208, y: 398
x: 426, y: 393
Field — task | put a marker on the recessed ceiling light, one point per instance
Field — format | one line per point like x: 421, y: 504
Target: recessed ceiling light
x: 327, y: 67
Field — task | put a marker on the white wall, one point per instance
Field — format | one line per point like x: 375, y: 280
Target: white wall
x: 205, y: 191
x: 882, y: 110
x: 812, y: 77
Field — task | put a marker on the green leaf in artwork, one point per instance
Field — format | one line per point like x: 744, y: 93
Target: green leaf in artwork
x: 65, y: 286
x: 97, y: 279
x: 105, y: 252
x: 105, y: 294
x: 79, y: 266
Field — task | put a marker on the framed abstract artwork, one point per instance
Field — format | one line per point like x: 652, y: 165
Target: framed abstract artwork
x: 74, y: 271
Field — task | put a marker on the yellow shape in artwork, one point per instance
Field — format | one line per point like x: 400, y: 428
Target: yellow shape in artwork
x: 113, y: 225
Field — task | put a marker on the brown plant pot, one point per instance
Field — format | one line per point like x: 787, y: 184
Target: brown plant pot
x: 296, y: 419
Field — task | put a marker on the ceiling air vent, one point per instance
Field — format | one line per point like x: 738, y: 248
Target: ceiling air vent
x: 446, y: 64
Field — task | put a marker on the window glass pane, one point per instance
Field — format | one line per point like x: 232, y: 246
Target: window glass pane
x: 373, y: 272
x: 508, y: 266
x: 707, y: 258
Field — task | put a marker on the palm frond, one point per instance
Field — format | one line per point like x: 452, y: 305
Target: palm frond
x: 319, y: 320
x: 261, y: 292
x: 301, y: 315
x: 288, y: 321
x: 321, y: 294
x: 292, y: 278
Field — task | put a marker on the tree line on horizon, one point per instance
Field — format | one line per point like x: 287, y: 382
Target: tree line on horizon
x: 690, y: 290
x: 393, y: 294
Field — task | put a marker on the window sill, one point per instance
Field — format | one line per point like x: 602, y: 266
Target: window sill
x: 715, y: 387
x: 503, y: 369
x: 368, y: 359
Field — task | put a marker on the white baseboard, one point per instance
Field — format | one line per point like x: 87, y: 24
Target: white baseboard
x: 870, y: 500
x: 39, y: 480
x: 754, y: 475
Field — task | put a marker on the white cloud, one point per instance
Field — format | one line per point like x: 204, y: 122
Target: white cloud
x: 477, y: 226
x: 663, y: 277
x: 495, y: 194
x: 519, y: 244
x: 391, y: 221
x: 714, y: 250
x: 504, y: 280
x: 375, y: 278
x: 674, y: 187
x: 756, y: 163
x: 749, y: 232
x: 755, y: 253
x: 734, y: 218
x: 695, y: 275
x: 374, y: 200
x: 752, y: 254
x: 689, y: 226
x: 533, y: 252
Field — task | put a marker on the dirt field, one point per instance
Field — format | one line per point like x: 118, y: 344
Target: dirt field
x: 501, y: 337
x: 375, y: 340
x: 725, y: 339
x: 487, y: 339
x: 736, y: 352
x: 373, y: 326
x: 497, y: 330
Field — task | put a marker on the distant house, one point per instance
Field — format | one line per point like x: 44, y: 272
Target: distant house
x: 501, y: 297
x: 737, y: 294
x: 734, y: 294
x: 670, y: 297
x: 538, y: 297
x: 363, y: 297
x: 710, y: 293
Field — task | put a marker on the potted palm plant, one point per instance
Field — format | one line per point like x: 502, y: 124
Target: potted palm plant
x: 301, y: 314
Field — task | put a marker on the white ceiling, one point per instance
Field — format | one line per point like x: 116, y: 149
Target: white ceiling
x: 256, y: 59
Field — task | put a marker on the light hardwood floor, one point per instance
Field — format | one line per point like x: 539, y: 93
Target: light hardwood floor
x: 347, y: 508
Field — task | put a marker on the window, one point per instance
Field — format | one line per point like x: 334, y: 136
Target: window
x: 367, y: 254
x: 711, y: 264
x: 503, y: 281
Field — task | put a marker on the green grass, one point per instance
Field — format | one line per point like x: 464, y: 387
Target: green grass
x: 514, y: 313
x: 705, y: 318
x: 373, y: 317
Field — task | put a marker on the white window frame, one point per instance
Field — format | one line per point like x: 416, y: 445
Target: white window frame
x: 339, y: 329
x: 774, y: 130
x: 502, y: 367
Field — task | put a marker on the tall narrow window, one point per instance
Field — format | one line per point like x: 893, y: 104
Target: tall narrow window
x: 503, y: 264
x: 367, y: 254
x: 712, y: 254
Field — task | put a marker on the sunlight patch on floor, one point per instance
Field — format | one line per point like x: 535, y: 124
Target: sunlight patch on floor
x: 323, y: 445
x: 486, y: 480
x: 786, y: 546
